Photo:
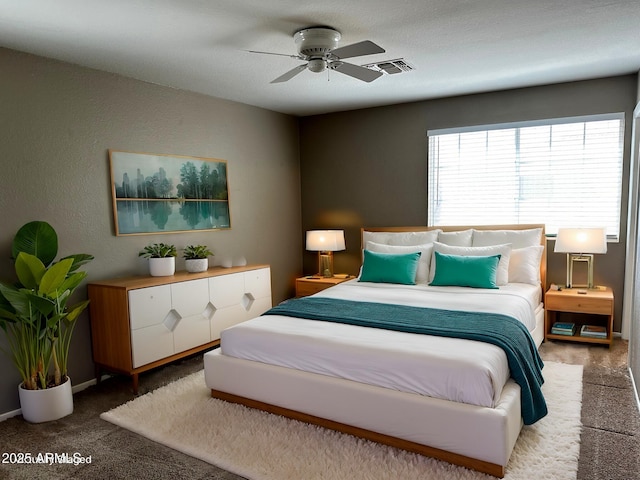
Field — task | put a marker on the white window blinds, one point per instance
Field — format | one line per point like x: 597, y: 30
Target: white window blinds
x: 562, y: 172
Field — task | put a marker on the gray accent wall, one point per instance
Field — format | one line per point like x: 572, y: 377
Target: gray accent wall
x: 369, y: 167
x: 57, y: 122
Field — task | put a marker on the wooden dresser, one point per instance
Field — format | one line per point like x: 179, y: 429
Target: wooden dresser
x: 139, y: 323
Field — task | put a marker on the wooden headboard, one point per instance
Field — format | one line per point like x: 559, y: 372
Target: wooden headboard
x: 449, y: 228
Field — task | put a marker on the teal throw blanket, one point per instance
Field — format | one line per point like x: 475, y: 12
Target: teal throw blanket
x: 501, y: 330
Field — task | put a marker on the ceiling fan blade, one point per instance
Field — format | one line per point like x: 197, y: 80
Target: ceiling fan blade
x: 366, y: 47
x: 356, y: 71
x: 290, y: 74
x: 279, y: 54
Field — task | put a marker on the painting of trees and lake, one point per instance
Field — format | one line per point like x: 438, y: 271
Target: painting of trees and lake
x: 158, y: 193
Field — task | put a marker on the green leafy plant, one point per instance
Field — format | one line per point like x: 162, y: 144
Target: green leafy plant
x: 34, y: 314
x: 192, y: 252
x: 158, y: 250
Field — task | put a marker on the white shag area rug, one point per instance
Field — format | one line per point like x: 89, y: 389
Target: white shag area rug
x: 262, y: 446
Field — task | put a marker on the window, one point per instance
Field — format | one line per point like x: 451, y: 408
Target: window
x: 562, y: 172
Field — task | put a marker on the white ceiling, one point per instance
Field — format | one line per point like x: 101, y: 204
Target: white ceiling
x: 456, y: 46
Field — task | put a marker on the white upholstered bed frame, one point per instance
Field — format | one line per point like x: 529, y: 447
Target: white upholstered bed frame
x: 479, y: 438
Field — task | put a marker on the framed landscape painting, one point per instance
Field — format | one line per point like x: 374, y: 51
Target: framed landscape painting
x: 158, y: 193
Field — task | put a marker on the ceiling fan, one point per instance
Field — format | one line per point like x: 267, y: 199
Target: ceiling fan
x: 318, y: 47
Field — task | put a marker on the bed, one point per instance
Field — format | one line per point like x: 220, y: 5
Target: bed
x: 466, y: 408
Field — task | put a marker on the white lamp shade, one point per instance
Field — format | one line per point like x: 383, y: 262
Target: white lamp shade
x: 581, y: 240
x: 325, y: 240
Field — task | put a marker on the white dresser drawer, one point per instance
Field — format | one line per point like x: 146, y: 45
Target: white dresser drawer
x: 258, y: 283
x: 226, y: 290
x: 190, y: 298
x: 150, y: 344
x: 149, y: 306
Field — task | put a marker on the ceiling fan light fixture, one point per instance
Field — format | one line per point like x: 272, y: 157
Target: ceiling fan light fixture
x: 318, y: 46
x: 317, y: 65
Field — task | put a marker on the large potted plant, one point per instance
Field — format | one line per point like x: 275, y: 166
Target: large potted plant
x: 162, y: 259
x: 39, y: 323
x: 196, y: 258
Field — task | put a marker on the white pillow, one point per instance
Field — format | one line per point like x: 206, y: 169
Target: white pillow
x: 517, y: 238
x: 502, y: 275
x: 524, y: 265
x: 422, y: 274
x: 413, y: 238
x: 461, y: 238
x: 400, y: 238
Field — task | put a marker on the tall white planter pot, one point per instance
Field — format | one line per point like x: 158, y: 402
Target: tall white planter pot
x: 162, y: 267
x: 46, y: 405
x: 194, y: 265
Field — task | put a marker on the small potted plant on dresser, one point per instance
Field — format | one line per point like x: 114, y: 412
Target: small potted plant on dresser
x: 196, y: 258
x: 162, y: 259
x: 38, y: 323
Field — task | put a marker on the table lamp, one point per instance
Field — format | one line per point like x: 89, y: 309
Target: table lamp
x: 580, y: 244
x: 325, y: 242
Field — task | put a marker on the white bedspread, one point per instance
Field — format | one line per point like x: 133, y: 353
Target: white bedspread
x: 455, y: 369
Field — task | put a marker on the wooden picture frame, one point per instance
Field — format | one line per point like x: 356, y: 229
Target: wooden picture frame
x: 162, y: 193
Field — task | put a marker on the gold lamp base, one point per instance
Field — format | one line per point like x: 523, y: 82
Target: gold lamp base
x: 325, y: 264
x: 573, y: 258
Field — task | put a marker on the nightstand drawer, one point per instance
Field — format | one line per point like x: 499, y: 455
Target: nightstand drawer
x: 304, y: 289
x: 306, y: 286
x: 579, y: 304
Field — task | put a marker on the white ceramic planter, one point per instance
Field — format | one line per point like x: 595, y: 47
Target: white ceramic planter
x: 194, y: 265
x: 46, y: 405
x: 162, y: 267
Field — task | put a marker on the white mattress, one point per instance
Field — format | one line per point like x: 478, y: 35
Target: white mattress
x: 454, y: 369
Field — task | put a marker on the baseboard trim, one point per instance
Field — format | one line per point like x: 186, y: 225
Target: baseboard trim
x: 6, y: 415
x: 635, y: 388
x: 75, y: 389
x: 85, y: 385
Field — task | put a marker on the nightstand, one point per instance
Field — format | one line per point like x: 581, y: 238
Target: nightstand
x: 309, y: 285
x: 592, y: 308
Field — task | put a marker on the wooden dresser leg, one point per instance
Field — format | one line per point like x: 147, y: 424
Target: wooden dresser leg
x: 134, y: 380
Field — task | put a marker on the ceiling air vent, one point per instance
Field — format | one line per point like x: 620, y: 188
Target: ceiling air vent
x: 391, y: 67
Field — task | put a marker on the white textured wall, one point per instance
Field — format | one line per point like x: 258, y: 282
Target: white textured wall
x: 57, y: 122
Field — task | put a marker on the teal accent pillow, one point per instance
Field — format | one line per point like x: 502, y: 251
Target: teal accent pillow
x: 390, y: 267
x: 465, y: 271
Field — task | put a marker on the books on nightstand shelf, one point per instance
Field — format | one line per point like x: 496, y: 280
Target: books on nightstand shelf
x: 563, y: 328
x: 593, y: 331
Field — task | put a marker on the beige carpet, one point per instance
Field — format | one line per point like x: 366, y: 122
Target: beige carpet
x: 262, y: 446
